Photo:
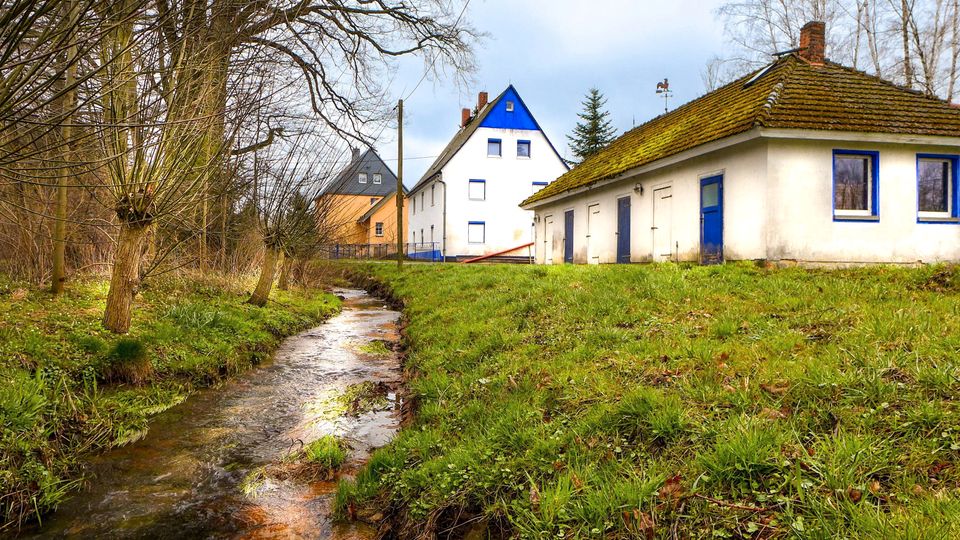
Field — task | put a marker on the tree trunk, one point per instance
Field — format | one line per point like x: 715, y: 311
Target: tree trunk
x: 285, y: 269
x: 271, y: 258
x: 905, y: 35
x: 67, y: 102
x: 125, y: 280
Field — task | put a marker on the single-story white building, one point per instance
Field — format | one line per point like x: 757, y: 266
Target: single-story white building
x: 804, y: 160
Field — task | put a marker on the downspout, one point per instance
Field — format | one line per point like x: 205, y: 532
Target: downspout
x: 443, y: 249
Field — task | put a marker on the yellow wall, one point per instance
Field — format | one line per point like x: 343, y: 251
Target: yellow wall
x: 338, y: 215
x: 387, y: 214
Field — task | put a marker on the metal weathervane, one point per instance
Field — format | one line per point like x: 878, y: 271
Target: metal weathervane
x: 663, y: 88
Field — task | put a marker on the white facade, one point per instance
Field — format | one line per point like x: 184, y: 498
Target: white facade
x: 471, y: 207
x: 777, y: 200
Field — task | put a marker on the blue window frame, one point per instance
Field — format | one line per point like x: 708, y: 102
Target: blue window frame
x: 494, y: 148
x: 856, y: 185
x: 477, y: 190
x: 937, y: 197
x: 523, y: 149
x: 476, y: 232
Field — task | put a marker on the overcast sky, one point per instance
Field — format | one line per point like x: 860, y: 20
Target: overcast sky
x: 553, y: 51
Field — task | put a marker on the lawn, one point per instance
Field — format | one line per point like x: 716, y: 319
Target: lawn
x: 68, y: 387
x: 668, y: 401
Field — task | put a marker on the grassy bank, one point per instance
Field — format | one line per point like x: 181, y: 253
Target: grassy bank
x: 68, y: 387
x: 661, y: 401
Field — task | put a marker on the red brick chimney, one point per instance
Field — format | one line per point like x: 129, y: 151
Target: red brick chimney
x: 813, y: 42
x: 464, y: 117
x: 482, y: 100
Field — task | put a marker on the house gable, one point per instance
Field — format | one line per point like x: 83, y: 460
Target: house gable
x: 369, y: 163
x: 502, y: 117
x: 493, y: 115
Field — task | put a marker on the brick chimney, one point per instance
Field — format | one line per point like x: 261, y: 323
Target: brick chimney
x: 464, y: 117
x: 482, y: 99
x: 813, y: 42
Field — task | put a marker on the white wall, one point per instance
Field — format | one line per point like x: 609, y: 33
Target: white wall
x: 778, y: 205
x: 509, y: 180
x: 743, y: 168
x: 802, y: 227
x: 428, y: 212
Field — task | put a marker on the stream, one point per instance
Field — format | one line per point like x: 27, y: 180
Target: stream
x: 190, y: 476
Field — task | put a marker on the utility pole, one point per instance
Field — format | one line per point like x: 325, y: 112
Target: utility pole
x: 399, y: 196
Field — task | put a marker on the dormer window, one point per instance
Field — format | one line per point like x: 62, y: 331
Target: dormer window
x: 377, y: 178
x: 363, y: 178
x: 509, y: 106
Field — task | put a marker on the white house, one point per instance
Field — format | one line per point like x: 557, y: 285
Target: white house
x: 804, y: 160
x: 467, y: 203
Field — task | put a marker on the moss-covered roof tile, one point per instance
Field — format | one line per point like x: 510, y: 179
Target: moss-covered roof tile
x: 789, y: 94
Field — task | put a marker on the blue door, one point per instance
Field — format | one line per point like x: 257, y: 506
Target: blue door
x: 711, y: 220
x: 623, y: 230
x: 568, y: 236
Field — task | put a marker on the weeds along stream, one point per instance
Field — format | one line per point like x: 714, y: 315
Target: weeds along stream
x: 260, y: 456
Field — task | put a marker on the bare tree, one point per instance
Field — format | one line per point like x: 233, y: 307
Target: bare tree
x: 911, y: 42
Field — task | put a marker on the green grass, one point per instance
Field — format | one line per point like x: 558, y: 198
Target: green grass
x: 727, y: 402
x: 68, y: 387
x: 327, y: 452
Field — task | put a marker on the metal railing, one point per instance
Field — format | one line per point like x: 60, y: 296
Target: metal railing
x: 419, y: 251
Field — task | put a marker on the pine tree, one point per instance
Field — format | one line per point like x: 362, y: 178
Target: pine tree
x: 594, y: 132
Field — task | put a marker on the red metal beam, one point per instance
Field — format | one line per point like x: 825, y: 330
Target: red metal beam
x: 497, y: 254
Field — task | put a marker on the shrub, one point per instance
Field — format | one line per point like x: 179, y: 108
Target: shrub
x: 128, y: 362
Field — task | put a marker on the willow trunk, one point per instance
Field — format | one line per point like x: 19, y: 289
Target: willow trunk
x: 125, y: 280
x: 272, y: 257
x: 285, y: 269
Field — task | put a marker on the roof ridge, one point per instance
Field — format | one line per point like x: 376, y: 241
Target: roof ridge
x: 766, y: 109
x: 919, y: 93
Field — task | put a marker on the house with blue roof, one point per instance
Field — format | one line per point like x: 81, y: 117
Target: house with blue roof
x: 467, y: 203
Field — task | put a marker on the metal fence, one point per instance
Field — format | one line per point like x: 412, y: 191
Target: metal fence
x: 421, y: 251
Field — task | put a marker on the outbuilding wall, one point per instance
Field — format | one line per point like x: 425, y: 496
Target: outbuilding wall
x: 803, y: 227
x: 744, y: 170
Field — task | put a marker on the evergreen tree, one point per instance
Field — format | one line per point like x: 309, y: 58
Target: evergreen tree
x: 594, y: 132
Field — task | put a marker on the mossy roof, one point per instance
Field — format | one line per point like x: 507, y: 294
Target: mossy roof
x: 790, y: 94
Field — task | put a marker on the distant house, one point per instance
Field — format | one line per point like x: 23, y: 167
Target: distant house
x: 467, y: 202
x: 804, y: 160
x: 359, y: 205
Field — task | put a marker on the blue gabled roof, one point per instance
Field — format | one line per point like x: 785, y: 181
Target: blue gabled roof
x: 501, y: 118
x: 493, y: 115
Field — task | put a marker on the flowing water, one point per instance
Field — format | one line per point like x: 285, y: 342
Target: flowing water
x: 186, y: 479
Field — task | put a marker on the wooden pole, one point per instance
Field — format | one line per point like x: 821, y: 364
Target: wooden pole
x: 399, y: 197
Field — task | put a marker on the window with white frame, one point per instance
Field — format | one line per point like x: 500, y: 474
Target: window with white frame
x: 363, y: 178
x: 936, y: 187
x: 510, y: 106
x: 855, y: 185
x: 378, y: 228
x: 494, y: 148
x: 523, y: 149
x: 477, y: 190
x: 373, y: 201
x: 476, y: 232
x: 377, y: 178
